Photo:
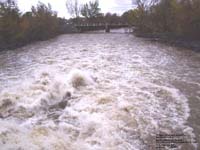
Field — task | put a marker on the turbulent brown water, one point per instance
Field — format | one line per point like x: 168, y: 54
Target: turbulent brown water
x: 98, y: 92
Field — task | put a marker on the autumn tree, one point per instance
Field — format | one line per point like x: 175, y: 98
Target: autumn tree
x: 17, y: 29
x: 130, y: 16
x: 178, y: 18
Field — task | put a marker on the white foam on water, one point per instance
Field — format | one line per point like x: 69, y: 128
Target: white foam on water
x: 121, y: 107
x: 79, y: 78
x: 93, y: 119
x: 89, y: 117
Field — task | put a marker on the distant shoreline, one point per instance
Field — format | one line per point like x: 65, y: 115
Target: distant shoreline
x: 13, y: 46
x: 170, y: 40
x: 155, y: 37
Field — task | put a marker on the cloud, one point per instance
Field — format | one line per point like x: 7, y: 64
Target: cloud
x: 113, y: 6
x: 116, y: 6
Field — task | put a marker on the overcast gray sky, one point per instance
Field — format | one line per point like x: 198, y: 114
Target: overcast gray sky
x: 114, y: 6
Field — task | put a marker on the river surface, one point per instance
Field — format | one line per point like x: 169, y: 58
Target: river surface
x: 97, y: 91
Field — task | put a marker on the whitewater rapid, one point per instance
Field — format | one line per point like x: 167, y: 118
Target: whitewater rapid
x: 91, y: 92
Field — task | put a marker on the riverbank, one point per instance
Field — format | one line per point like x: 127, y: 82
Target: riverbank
x: 18, y: 29
x: 170, y: 39
x: 18, y: 44
x: 67, y: 29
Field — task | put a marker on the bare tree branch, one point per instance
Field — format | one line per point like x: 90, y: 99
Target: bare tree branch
x: 73, y: 8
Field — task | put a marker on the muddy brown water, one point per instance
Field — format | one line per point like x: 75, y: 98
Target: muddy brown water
x: 98, y: 91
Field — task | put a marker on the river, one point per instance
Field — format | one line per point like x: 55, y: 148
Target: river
x: 97, y: 91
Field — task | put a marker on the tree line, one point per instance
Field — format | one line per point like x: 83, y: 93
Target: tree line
x: 174, y: 18
x: 17, y: 28
x: 177, y: 18
x: 42, y: 23
x: 91, y: 13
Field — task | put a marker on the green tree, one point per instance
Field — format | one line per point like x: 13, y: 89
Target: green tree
x: 9, y: 22
x: 91, y: 10
x: 45, y: 22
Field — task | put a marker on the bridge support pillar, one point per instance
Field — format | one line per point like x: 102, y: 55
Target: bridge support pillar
x: 107, y: 28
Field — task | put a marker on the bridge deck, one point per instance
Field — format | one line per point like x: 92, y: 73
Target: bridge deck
x: 99, y: 26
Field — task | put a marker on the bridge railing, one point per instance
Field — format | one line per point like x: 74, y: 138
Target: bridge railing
x: 100, y: 24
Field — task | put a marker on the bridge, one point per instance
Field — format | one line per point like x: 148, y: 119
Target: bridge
x: 99, y: 26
